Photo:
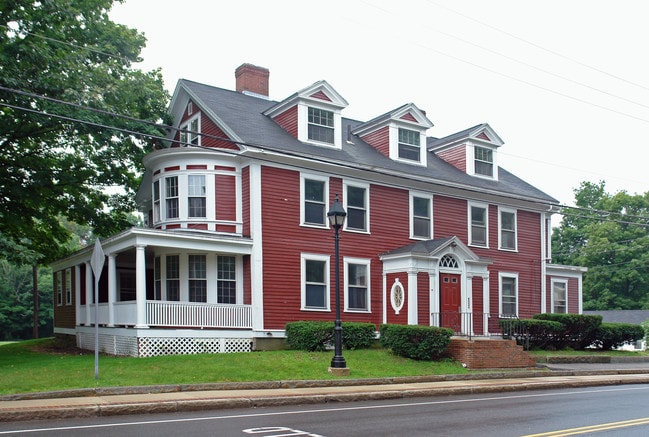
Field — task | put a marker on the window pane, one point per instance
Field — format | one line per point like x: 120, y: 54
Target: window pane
x: 197, y: 207
x: 356, y: 219
x: 421, y: 227
x: 315, y: 286
x: 508, y: 240
x: 507, y: 221
x: 315, y: 296
x: 314, y: 213
x: 357, y: 298
x: 196, y: 185
x: 226, y: 288
x: 508, y: 294
x: 483, y: 161
x: 314, y: 190
x: 356, y: 214
x: 315, y: 271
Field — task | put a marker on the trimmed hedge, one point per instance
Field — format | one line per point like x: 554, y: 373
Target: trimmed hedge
x: 416, y: 342
x: 579, y: 330
x: 319, y: 335
x: 614, y: 335
x: 532, y: 332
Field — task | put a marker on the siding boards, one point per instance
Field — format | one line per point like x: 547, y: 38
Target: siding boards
x: 455, y: 156
x: 288, y: 120
x: 380, y: 140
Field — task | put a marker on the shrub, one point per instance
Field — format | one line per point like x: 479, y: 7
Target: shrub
x: 416, y: 342
x: 319, y: 335
x: 309, y: 335
x: 532, y: 332
x: 579, y: 329
x: 613, y: 335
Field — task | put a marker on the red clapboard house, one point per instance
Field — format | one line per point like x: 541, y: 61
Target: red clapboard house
x: 238, y: 242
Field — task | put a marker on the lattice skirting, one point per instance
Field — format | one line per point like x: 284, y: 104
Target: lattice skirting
x: 156, y: 346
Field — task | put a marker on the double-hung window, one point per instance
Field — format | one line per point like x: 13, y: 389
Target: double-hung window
x: 321, y: 125
x: 173, y: 277
x: 478, y: 229
x: 315, y: 282
x: 197, y: 201
x: 190, y: 132
x: 171, y: 197
x: 507, y: 229
x: 226, y: 280
x: 197, y: 278
x: 483, y: 161
x: 508, y: 294
x: 315, y: 204
x: 58, y: 283
x: 357, y: 285
x: 422, y: 217
x: 356, y: 201
x: 559, y: 296
x: 409, y: 145
x: 68, y: 287
x: 156, y: 201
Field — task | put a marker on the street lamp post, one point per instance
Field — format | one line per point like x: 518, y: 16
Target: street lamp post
x: 336, y: 216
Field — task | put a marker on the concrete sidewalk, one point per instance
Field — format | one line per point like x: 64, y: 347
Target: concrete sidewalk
x: 176, y: 398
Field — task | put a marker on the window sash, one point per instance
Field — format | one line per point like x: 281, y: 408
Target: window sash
x: 315, y: 284
x: 321, y: 125
x: 173, y: 277
x: 226, y: 290
x: 409, y: 145
x: 483, y: 162
x: 357, y: 298
x: 356, y: 209
x: 421, y: 219
x: 507, y: 230
x: 171, y: 197
x: 478, y: 226
x: 559, y: 297
x: 508, y: 296
x: 314, y: 202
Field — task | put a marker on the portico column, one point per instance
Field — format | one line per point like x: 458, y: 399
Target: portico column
x: 89, y: 293
x: 112, y: 289
x: 412, y: 298
x: 140, y: 287
x: 468, y: 320
x: 434, y: 299
x: 485, y: 303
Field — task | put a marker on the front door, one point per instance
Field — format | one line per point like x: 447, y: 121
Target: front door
x: 450, y: 301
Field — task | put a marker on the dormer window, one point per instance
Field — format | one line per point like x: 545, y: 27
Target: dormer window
x: 321, y: 125
x: 484, y: 161
x: 409, y: 145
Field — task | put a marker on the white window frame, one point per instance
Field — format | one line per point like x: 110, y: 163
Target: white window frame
x: 177, y: 197
x: 359, y: 261
x: 564, y: 282
x: 471, y: 160
x: 167, y: 279
x: 189, y: 133
x: 155, y: 196
x: 58, y: 283
x: 394, y: 144
x: 325, y: 180
x: 484, y: 206
x: 411, y: 214
x: 508, y: 275
x: 68, y: 286
x: 197, y: 275
x: 303, y: 124
x: 220, y: 280
x: 500, y: 229
x: 366, y: 207
x: 315, y: 257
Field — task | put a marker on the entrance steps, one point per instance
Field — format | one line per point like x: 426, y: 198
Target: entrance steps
x: 487, y: 353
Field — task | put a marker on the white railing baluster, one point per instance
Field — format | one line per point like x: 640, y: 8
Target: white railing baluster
x: 198, y: 315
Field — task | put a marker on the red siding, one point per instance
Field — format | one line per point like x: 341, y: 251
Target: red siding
x: 455, y: 156
x: 245, y: 200
x: 380, y: 140
x: 320, y: 95
x: 288, y: 120
x: 213, y: 134
x: 450, y: 218
x: 226, y: 197
x: 247, y: 289
x: 423, y: 298
x: 478, y: 305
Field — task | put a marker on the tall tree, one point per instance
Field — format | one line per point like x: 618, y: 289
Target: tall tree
x: 609, y: 234
x: 57, y: 157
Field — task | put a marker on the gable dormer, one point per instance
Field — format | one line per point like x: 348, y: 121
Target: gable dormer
x: 312, y: 115
x: 473, y: 151
x: 399, y: 134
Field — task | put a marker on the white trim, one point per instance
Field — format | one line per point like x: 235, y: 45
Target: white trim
x: 303, y: 123
x: 471, y: 204
x: 361, y: 261
x: 393, y: 133
x: 502, y: 210
x: 470, y: 160
x: 257, y: 253
x: 314, y: 257
x: 502, y: 275
x: 397, y: 306
x: 411, y: 213
x: 325, y: 181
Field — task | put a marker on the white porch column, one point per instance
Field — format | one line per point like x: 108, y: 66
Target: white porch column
x: 412, y: 298
x: 434, y: 299
x: 89, y: 292
x: 77, y: 295
x: 112, y: 289
x: 467, y: 320
x: 140, y: 287
x: 485, y: 303
x: 385, y: 298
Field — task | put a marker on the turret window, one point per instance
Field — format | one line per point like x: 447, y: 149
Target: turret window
x: 196, y: 196
x: 171, y: 197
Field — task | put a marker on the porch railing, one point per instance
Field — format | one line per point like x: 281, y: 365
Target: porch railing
x: 198, y: 315
x: 470, y: 324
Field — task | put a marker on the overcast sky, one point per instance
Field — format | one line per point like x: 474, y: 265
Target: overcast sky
x: 565, y: 84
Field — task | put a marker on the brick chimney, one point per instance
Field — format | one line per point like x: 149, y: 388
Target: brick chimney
x: 252, y: 80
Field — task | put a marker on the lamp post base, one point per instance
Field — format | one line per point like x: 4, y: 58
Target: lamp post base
x: 339, y: 371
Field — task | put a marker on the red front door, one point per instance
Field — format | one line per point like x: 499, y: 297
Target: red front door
x: 449, y: 286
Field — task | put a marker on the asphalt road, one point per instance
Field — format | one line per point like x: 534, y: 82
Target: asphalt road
x: 611, y: 411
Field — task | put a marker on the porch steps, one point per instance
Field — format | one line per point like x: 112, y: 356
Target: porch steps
x: 490, y: 353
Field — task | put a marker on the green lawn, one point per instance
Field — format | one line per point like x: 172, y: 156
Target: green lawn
x: 33, y: 366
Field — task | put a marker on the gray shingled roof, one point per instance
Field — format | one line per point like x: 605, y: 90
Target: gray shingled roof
x: 243, y: 114
x: 634, y: 317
